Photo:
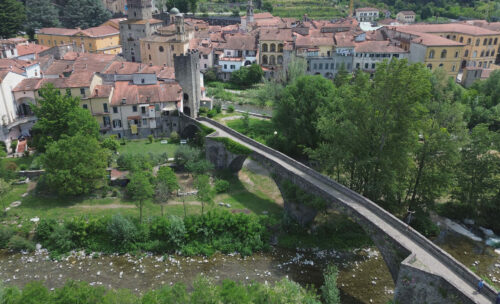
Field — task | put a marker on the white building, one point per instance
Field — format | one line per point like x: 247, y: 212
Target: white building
x: 367, y: 14
x: 368, y: 53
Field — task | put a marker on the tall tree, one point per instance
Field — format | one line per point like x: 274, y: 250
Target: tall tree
x: 84, y: 13
x: 297, y: 112
x: 205, y: 193
x: 60, y: 115
x: 41, y: 13
x: 140, y: 189
x: 12, y: 17
x: 4, y: 189
x: 166, y: 184
x: 74, y: 165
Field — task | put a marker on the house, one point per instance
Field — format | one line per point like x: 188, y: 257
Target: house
x: 30, y: 51
x: 237, y: 51
x: 102, y: 39
x: 406, y: 17
x: 368, y: 53
x: 366, y: 14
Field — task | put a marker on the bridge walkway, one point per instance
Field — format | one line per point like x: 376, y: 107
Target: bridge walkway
x: 434, y: 264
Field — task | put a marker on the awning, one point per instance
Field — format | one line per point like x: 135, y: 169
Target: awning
x: 133, y: 117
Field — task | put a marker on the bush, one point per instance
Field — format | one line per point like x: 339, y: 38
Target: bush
x: 230, y: 109
x: 122, y: 232
x: 151, y: 138
x: 329, y: 290
x: 221, y: 186
x: 18, y: 243
x: 36, y: 164
x: 174, y: 137
x: 210, y: 75
x: 211, y: 113
x: 13, y: 145
x: 23, y: 167
x: 5, y: 234
x: 203, y: 111
x: 218, y: 107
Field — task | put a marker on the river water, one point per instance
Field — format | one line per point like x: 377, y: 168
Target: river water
x: 363, y: 277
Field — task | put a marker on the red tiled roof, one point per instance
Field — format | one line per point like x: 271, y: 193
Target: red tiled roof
x: 59, y: 67
x: 58, y: 31
x: 167, y: 73
x: 275, y: 34
x: 240, y: 42
x: 93, y: 62
x: 79, y: 79
x: 99, y: 31
x: 102, y: 91
x: 448, y: 28
x: 123, y: 68
x: 367, y: 9
x: 377, y: 47
x: 137, y: 94
x: 33, y: 84
x: 408, y: 13
x: 32, y: 48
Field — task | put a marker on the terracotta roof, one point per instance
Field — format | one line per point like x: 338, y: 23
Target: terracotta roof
x: 449, y: 28
x: 366, y: 9
x: 433, y: 40
x: 240, y: 42
x: 79, y: 79
x: 32, y: 48
x: 408, y: 13
x: 137, y: 94
x: 308, y: 41
x: 59, y: 67
x: 123, y: 68
x: 151, y: 21
x: 377, y: 47
x: 115, y: 22
x: 102, y: 91
x: 93, y: 62
x: 494, y: 26
x: 33, y: 84
x: 344, y: 39
x: 167, y: 73
x: 103, y: 30
x: 58, y: 31
x: 275, y: 34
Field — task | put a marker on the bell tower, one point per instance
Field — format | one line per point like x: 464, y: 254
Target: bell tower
x: 249, y: 11
x: 139, y: 9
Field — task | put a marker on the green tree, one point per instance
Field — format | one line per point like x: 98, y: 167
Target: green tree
x: 40, y: 14
x: 166, y: 184
x: 484, y: 101
x: 205, y: 193
x: 245, y: 119
x: 370, y: 132
x: 74, y: 165
x: 186, y: 154
x: 84, y: 13
x: 140, y: 189
x: 60, y: 115
x: 111, y: 143
x: 201, y: 166
x: 267, y: 6
x: 329, y: 290
x: 297, y: 112
x: 342, y: 77
x: 4, y: 189
x: 12, y: 17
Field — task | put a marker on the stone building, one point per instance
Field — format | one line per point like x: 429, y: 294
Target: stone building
x: 367, y: 14
x: 406, y: 17
x: 187, y: 74
x: 140, y: 24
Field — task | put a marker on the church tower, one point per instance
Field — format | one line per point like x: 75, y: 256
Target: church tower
x: 179, y: 27
x: 139, y: 9
x: 250, y: 12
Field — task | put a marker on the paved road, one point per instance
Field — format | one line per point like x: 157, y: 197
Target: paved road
x: 424, y: 256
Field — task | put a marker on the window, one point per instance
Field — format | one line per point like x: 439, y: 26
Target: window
x: 280, y: 48
x: 485, y: 41
x: 172, y: 47
x: 157, y: 107
x: 482, y: 53
x: 143, y: 80
x: 161, y: 49
x: 149, y: 56
x: 117, y: 123
x: 373, y: 66
x: 366, y: 65
x: 357, y: 65
x: 273, y: 47
x: 106, y: 121
x: 429, y: 66
x: 225, y: 66
x: 82, y: 91
x: 453, y: 68
x: 233, y: 67
x: 440, y: 65
x: 332, y: 66
x: 490, y: 41
x: 134, y: 108
x: 264, y: 59
x: 205, y: 56
x: 90, y: 45
x: 478, y: 41
x: 456, y: 54
x: 492, y: 53
x: 144, y: 122
x: 487, y: 53
x: 480, y: 63
x: 105, y: 107
x: 264, y: 47
x: 85, y: 106
x: 466, y: 53
x: 474, y: 55
x: 315, y: 66
x: 143, y: 110
x: 205, y: 65
x: 443, y: 54
x: 431, y: 54
x: 149, y: 46
x: 115, y: 109
x: 496, y: 41
x: 395, y: 55
x: 461, y: 39
x: 469, y: 41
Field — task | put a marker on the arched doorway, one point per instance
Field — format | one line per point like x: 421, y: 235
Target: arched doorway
x: 187, y: 110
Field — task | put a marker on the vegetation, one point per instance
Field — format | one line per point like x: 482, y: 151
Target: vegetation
x: 329, y: 290
x: 40, y: 14
x: 233, y: 146
x: 12, y: 17
x: 203, y: 291
x: 140, y: 189
x: 247, y: 76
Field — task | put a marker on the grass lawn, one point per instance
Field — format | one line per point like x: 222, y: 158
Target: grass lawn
x: 143, y: 146
x: 260, y: 129
x: 19, y: 161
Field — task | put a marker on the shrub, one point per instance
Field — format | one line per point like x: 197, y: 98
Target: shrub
x: 18, y: 243
x: 233, y: 146
x: 121, y: 231
x: 330, y: 290
x: 230, y: 109
x: 13, y: 145
x: 221, y: 186
x: 174, y: 137
x: 11, y: 166
x: 218, y: 107
x: 150, y: 138
x: 211, y: 113
x: 23, y: 167
x: 5, y: 235
x: 36, y: 164
x: 203, y: 111
x: 45, y: 229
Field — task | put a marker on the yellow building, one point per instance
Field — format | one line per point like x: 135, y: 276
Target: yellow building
x: 169, y: 41
x: 272, y: 42
x: 102, y: 39
x: 481, y: 44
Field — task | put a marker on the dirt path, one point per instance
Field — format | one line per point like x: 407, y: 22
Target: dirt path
x: 108, y: 206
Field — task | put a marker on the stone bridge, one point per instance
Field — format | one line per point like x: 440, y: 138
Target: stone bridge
x: 422, y: 272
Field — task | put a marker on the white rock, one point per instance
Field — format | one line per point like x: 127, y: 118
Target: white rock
x: 35, y: 219
x: 487, y: 232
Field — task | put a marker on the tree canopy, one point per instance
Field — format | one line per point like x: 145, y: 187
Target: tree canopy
x: 12, y: 17
x: 41, y: 13
x: 74, y: 165
x: 60, y: 115
x: 84, y: 13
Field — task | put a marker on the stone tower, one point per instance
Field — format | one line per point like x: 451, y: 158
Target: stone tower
x: 187, y: 74
x: 139, y: 9
x: 179, y: 27
x: 250, y: 12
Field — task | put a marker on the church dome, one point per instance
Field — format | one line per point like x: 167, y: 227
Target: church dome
x: 174, y: 11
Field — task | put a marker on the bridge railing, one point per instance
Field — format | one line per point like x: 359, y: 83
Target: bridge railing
x: 436, y: 251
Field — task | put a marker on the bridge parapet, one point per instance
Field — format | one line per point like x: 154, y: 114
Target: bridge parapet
x: 438, y: 253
